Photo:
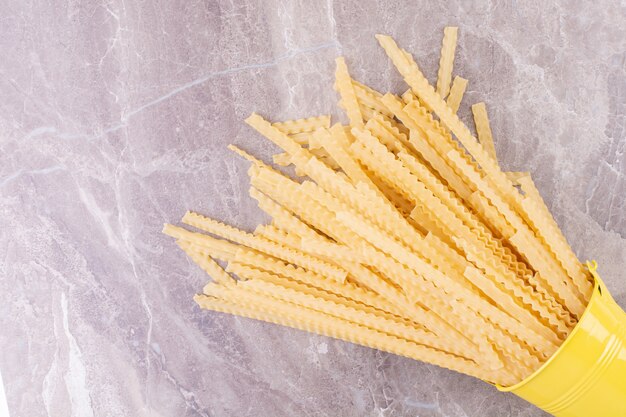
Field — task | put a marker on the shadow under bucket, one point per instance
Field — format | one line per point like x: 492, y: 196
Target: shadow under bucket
x: 586, y: 376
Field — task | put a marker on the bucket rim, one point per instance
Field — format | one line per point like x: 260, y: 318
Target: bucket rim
x: 598, y: 291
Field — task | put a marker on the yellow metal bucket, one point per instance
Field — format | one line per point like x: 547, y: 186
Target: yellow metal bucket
x: 586, y: 377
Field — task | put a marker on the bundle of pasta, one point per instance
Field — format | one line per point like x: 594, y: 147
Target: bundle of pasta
x: 405, y: 235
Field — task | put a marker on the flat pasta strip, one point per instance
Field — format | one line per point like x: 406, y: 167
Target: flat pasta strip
x: 283, y: 217
x: 310, y: 124
x: 490, y: 215
x: 337, y: 144
x: 209, y: 266
x: 301, y: 138
x: 218, y: 248
x: 272, y: 133
x: 264, y: 245
x: 395, y: 139
x: 438, y: 285
x: 446, y: 61
x: 483, y: 129
x: 457, y: 91
x: 355, y: 315
x: 422, y: 89
x: 282, y: 159
x: 367, y: 89
x: 330, y: 250
x: 323, y: 155
x: 373, y: 305
x: 545, y: 226
x: 404, y: 233
x: 408, y: 96
x: 344, y: 86
x: 297, y: 274
x: 515, y: 176
x: 368, y: 99
x: 320, y: 323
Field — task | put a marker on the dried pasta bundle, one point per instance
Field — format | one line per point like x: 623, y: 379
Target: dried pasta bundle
x: 404, y: 235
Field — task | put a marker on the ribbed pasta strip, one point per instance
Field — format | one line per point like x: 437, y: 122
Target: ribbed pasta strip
x: 282, y: 216
x: 343, y: 84
x: 315, y: 322
x: 436, y: 280
x: 404, y: 234
x: 355, y: 315
x: 368, y: 99
x: 209, y: 266
x: 544, y: 225
x: 459, y: 84
x: 483, y: 129
x: 448, y: 46
x: 346, y: 289
x: 264, y: 245
x: 310, y: 124
x: 503, y: 185
x: 338, y: 296
x: 421, y: 267
x: 218, y: 248
x: 419, y: 142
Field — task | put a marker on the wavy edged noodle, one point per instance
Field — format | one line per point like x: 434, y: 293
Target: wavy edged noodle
x: 403, y: 234
x: 446, y: 61
x: 459, y: 84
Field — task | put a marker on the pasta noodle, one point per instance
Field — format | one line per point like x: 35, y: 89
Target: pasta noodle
x: 404, y: 235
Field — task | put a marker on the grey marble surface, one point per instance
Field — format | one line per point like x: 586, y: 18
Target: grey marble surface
x: 114, y: 119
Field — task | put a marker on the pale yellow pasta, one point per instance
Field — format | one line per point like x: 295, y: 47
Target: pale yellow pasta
x: 246, y: 155
x: 547, y: 230
x: 346, y: 294
x: 566, y: 294
x: 218, y: 248
x: 408, y: 96
x: 303, y: 125
x: 282, y: 159
x: 297, y: 274
x: 337, y: 144
x: 323, y: 155
x: 264, y: 245
x: 277, y: 235
x: 272, y: 133
x: 438, y: 283
x: 301, y: 138
x: 346, y: 91
x: 355, y: 315
x: 436, y: 160
x: 367, y: 99
x: 283, y: 217
x: 388, y: 133
x: 483, y: 129
x: 457, y: 90
x: 320, y: 323
x: 446, y: 61
x: 207, y: 264
x: 515, y: 176
x: 367, y: 88
x: 404, y: 233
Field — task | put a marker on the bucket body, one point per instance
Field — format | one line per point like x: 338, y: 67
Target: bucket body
x: 586, y: 376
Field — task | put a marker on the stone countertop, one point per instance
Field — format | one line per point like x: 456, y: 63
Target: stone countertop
x: 115, y: 119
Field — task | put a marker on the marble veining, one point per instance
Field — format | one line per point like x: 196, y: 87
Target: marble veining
x: 115, y: 116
